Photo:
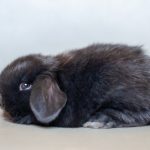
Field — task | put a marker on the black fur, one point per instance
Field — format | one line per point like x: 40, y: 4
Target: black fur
x: 105, y: 84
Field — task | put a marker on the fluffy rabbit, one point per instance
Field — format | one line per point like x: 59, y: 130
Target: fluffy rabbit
x: 100, y: 86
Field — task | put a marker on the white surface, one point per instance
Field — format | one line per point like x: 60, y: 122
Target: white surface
x: 51, y: 26
x: 23, y: 137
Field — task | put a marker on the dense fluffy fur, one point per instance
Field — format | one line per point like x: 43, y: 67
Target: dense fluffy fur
x: 105, y: 86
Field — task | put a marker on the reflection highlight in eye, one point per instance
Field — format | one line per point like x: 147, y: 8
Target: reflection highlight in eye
x: 25, y: 86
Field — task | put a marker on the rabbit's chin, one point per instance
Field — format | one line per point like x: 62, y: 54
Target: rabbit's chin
x: 28, y: 119
x: 24, y: 120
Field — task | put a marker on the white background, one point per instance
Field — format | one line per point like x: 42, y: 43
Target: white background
x: 53, y: 26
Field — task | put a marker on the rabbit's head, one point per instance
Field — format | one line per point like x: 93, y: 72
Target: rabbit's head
x: 30, y: 90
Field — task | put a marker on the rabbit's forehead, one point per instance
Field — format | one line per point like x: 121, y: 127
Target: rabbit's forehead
x: 17, y: 69
x: 22, y: 65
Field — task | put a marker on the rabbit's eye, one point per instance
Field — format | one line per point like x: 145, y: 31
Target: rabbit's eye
x: 24, y: 86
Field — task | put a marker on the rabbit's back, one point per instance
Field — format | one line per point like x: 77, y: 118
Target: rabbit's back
x: 99, y: 77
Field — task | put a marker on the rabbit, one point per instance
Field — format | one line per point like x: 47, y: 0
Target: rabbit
x: 99, y: 86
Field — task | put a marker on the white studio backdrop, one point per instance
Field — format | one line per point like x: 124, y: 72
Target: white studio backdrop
x: 53, y: 26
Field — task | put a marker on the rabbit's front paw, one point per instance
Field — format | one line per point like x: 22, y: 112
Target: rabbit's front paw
x: 97, y: 124
x: 100, y: 120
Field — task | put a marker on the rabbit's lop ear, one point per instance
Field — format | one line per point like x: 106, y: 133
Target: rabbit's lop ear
x: 47, y: 99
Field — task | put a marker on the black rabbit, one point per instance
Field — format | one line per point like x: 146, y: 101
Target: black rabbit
x: 100, y: 86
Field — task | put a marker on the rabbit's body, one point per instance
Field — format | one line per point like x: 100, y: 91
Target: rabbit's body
x: 100, y: 86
